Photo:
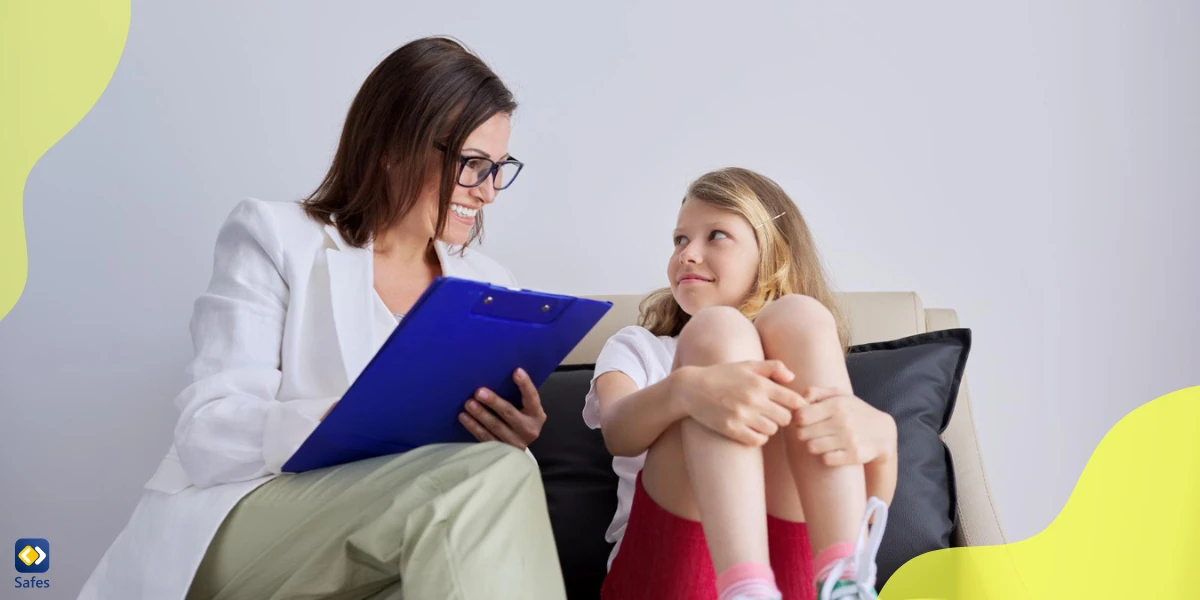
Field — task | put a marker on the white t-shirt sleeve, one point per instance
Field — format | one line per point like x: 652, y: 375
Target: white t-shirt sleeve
x: 627, y: 351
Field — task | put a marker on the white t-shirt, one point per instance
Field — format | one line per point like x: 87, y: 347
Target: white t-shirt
x: 646, y: 359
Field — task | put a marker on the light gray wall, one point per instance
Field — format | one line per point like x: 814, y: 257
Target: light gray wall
x: 1033, y: 166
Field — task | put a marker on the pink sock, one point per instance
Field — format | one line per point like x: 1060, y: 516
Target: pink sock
x: 824, y: 561
x: 749, y: 580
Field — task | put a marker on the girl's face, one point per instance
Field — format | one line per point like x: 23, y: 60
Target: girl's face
x: 716, y: 256
x: 489, y: 140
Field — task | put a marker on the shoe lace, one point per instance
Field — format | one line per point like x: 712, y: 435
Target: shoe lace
x: 870, y: 536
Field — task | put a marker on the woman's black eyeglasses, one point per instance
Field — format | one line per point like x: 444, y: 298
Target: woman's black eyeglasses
x: 474, y: 170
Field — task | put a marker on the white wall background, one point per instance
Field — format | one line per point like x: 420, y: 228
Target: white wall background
x: 1031, y: 164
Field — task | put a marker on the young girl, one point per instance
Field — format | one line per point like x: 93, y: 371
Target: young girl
x: 741, y: 449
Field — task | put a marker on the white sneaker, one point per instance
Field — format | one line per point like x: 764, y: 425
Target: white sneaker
x: 862, y: 587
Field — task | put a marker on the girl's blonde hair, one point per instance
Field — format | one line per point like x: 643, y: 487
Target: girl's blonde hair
x: 788, y: 259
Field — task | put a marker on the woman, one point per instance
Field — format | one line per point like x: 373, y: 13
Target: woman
x: 301, y: 297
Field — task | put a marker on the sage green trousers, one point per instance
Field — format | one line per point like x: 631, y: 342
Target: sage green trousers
x: 447, y: 522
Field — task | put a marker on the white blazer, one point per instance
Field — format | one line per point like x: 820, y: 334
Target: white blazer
x: 287, y: 322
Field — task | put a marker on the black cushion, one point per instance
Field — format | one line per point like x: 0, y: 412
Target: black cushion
x: 581, y: 487
x: 915, y: 379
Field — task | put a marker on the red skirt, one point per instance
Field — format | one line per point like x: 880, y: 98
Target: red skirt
x: 665, y: 557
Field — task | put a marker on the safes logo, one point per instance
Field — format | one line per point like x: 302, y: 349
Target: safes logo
x: 31, y: 555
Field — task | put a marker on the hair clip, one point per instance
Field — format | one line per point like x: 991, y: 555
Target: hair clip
x: 768, y: 220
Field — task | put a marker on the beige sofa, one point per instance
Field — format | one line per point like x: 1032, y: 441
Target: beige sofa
x: 877, y: 316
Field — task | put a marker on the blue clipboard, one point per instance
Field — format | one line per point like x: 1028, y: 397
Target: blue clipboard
x: 460, y: 335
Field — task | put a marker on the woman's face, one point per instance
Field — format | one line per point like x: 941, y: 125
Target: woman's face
x: 489, y: 140
x: 715, y: 262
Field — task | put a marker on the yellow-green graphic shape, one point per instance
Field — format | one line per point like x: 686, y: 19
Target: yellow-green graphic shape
x: 1131, y: 528
x: 56, y: 58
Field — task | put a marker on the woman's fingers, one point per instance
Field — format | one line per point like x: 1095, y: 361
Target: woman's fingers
x: 479, y: 431
x: 506, y: 410
x: 527, y: 424
x: 495, y: 426
x: 531, y: 401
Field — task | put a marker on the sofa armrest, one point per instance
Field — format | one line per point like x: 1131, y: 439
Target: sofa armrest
x: 978, y: 521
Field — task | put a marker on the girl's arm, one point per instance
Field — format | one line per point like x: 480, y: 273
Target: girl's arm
x: 632, y: 419
x: 848, y: 431
x: 743, y: 401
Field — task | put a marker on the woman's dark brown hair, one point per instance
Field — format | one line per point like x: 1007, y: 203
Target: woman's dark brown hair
x: 429, y: 90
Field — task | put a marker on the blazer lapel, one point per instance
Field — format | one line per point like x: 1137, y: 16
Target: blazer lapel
x: 351, y: 284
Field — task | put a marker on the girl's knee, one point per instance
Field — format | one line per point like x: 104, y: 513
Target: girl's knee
x: 716, y: 327
x: 795, y: 315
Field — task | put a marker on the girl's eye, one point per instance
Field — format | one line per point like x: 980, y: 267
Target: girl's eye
x: 716, y: 235
x: 680, y: 240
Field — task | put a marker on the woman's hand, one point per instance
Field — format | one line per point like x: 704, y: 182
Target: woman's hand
x: 845, y: 430
x: 516, y: 427
x: 746, y: 401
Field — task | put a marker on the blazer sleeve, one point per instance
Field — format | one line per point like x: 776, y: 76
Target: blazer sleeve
x: 232, y: 426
